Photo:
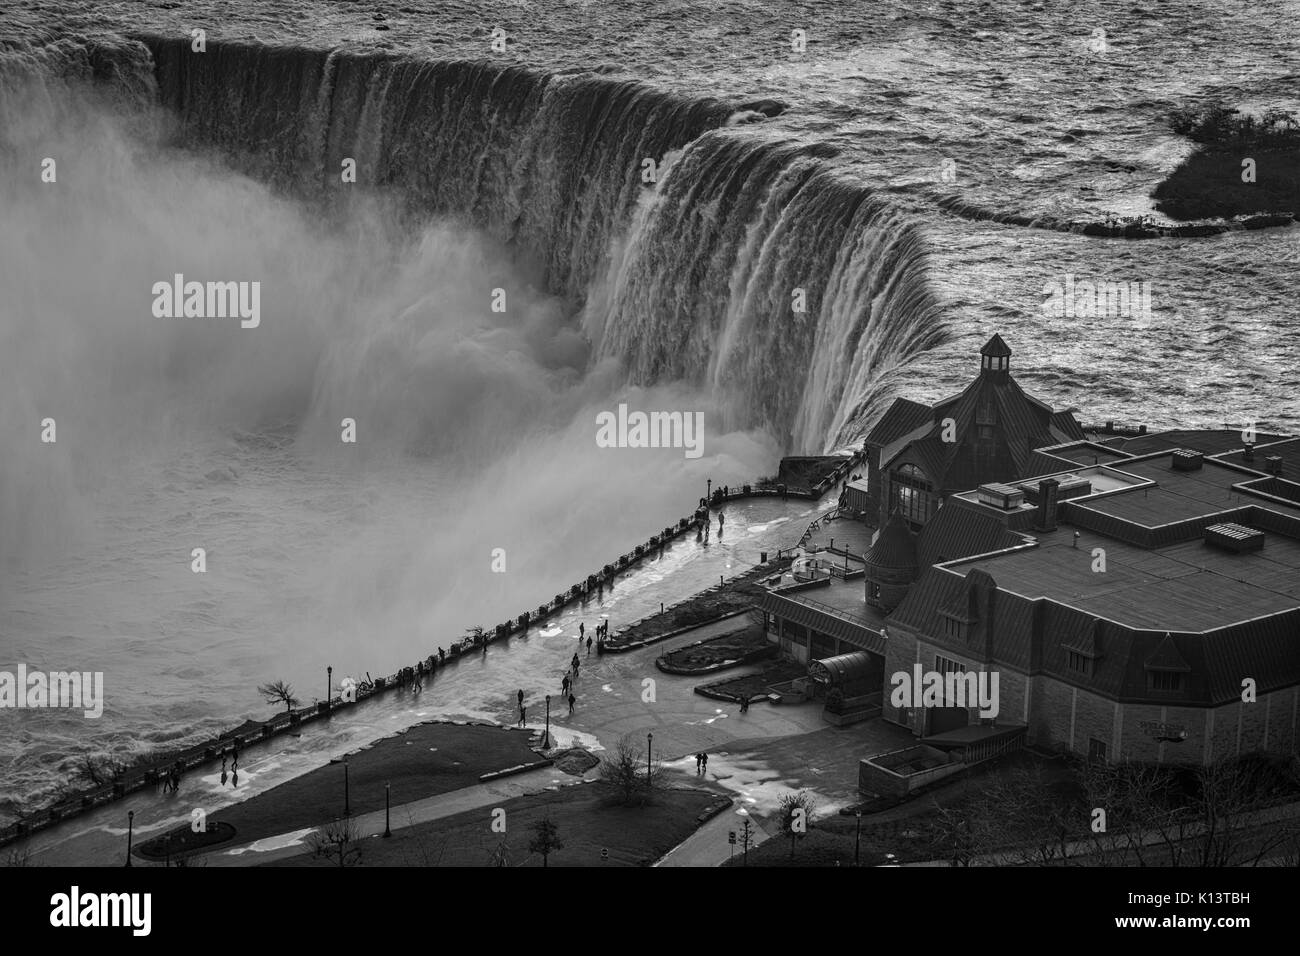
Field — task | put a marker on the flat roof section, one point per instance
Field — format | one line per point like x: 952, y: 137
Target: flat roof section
x: 1179, y: 495
x: 1190, y: 586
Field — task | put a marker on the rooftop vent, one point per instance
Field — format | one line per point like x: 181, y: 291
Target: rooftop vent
x: 1234, y: 537
x: 1068, y: 486
x: 1273, y: 465
x: 1003, y: 497
x: 1186, y: 460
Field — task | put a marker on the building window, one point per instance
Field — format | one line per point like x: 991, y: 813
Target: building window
x: 873, y: 591
x: 1165, y: 680
x: 913, y: 494
x: 1096, y: 749
x: 1080, y: 663
x: 945, y: 666
x: 955, y: 628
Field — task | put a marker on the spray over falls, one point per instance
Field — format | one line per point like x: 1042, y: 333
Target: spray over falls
x: 693, y: 280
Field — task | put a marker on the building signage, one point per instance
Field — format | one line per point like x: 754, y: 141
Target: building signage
x: 1165, y: 733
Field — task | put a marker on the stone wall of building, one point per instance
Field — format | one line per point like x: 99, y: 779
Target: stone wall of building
x: 1064, y: 717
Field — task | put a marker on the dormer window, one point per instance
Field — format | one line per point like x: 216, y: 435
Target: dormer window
x: 955, y: 628
x: 1165, y: 680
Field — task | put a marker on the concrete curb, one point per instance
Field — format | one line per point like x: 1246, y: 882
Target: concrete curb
x: 713, y: 810
x: 512, y: 771
x: 646, y: 642
x: 749, y: 658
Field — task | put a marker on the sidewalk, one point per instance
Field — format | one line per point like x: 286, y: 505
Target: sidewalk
x: 708, y: 845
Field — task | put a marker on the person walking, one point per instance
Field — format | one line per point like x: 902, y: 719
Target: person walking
x: 699, y: 763
x: 564, y: 684
x: 572, y: 700
x: 520, y: 695
x: 521, y: 715
x: 581, y: 631
x: 704, y: 761
x: 589, y: 647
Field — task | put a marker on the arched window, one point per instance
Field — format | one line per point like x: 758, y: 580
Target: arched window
x: 913, y: 493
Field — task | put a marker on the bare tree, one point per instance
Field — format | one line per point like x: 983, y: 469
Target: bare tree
x: 278, y: 692
x: 98, y: 771
x: 796, y: 810
x: 545, y: 840
x: 500, y: 855
x: 337, y: 841
x: 626, y: 770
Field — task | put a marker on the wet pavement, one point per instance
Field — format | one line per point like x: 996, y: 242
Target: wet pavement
x: 616, y: 695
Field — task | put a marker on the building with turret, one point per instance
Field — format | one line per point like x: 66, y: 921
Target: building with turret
x: 1135, y: 598
x: 918, y: 455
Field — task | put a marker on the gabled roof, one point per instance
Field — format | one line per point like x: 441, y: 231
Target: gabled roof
x: 1166, y: 657
x: 1020, y: 425
x: 1066, y: 423
x: 1083, y: 636
x: 957, y: 531
x: 902, y: 418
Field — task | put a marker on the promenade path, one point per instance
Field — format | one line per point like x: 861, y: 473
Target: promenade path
x: 612, y: 694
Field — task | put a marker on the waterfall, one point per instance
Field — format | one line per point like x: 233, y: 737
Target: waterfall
x: 691, y: 277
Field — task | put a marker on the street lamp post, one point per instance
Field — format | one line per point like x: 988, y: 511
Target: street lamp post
x: 546, y: 737
x: 649, y: 739
x: 708, y: 494
x: 329, y: 685
x: 130, y: 831
x: 347, y: 805
x: 167, y: 850
x: 387, y: 830
x: 857, y: 840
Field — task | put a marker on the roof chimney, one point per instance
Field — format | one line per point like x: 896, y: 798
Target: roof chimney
x: 1248, y: 453
x: 1273, y: 465
x: 1047, y: 505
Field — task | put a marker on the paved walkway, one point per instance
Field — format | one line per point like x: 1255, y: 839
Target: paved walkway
x: 708, y: 845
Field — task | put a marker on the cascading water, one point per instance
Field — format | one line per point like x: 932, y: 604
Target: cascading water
x: 181, y: 433
x: 705, y: 289
x: 698, y: 289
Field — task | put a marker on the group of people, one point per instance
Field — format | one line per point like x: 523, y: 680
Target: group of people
x: 234, y: 768
x: 569, y: 681
x: 701, y: 762
x: 172, y: 781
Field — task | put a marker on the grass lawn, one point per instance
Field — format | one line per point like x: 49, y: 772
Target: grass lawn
x: 586, y: 819
x: 827, y: 843
x: 756, y: 685
x: 737, y: 595
x: 726, y: 648
x: 428, y: 759
x: 183, y: 841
